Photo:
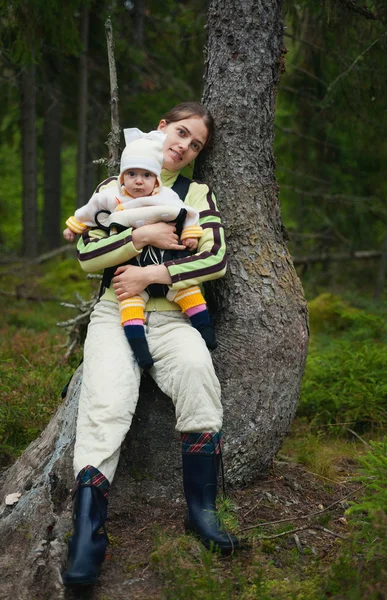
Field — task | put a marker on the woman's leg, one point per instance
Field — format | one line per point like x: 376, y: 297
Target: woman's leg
x: 107, y: 403
x: 184, y: 371
x: 109, y: 394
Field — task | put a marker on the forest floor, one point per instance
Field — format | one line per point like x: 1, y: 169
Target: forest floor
x: 150, y: 557
x: 292, y: 520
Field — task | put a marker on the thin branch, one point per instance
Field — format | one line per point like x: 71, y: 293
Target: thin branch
x: 309, y: 515
x: 359, y: 438
x: 306, y: 137
x: 339, y: 257
x: 334, y: 82
x: 41, y: 258
x: 277, y: 535
x: 308, y: 73
x: 21, y: 296
x: 359, y: 9
x: 330, y: 197
x: 321, y: 528
x: 293, y: 531
x: 113, y: 141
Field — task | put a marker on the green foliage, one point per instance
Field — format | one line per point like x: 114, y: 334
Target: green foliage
x: 331, y: 135
x: 331, y: 314
x: 32, y: 370
x: 32, y: 377
x: 27, y: 26
x: 346, y: 373
x: 227, y: 514
x: 191, y: 571
x: 371, y: 512
x: 361, y: 571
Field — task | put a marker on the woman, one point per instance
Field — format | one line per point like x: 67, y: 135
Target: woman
x: 111, y: 376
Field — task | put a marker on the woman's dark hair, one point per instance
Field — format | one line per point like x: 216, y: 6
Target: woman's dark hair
x: 185, y: 110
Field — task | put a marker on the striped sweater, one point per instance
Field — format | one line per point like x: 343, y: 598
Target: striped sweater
x: 96, y: 251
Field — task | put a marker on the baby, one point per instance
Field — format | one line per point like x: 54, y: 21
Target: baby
x: 142, y: 200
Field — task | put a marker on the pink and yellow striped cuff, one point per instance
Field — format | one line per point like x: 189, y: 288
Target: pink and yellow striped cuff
x: 132, y: 308
x: 189, y: 298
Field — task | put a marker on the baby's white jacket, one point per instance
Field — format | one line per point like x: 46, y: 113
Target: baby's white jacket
x: 134, y: 212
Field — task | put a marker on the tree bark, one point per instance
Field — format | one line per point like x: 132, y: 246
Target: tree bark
x: 261, y: 324
x: 82, y: 111
x: 29, y: 150
x: 139, y: 19
x: 381, y: 277
x: 52, y: 143
x: 113, y: 141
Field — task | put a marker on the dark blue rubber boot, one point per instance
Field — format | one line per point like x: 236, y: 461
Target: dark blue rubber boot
x: 87, y: 546
x: 200, y: 473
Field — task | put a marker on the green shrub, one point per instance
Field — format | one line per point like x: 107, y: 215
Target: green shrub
x: 346, y: 371
x: 345, y: 381
x: 331, y: 314
x: 361, y: 572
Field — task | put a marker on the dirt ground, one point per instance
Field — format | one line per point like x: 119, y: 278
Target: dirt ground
x: 287, y: 491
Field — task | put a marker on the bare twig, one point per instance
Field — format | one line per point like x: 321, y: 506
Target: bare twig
x: 27, y: 361
x: 297, y: 542
x: 290, y: 532
x: 340, y: 256
x: 323, y: 477
x: 352, y: 65
x: 321, y: 528
x: 306, y: 137
x: 359, y: 9
x: 19, y: 295
x: 253, y: 508
x: 359, y: 438
x: 113, y: 141
x: 76, y: 326
x: 294, y: 531
x: 20, y: 263
x: 309, y: 515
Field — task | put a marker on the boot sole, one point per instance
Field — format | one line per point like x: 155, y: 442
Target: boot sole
x: 76, y: 583
x: 210, y: 544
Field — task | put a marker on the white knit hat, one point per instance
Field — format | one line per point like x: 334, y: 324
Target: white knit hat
x: 142, y: 151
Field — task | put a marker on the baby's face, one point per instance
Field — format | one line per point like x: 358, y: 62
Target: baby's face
x: 139, y: 182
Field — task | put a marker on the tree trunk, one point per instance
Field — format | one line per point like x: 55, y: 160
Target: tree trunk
x: 261, y: 325
x: 52, y: 142
x: 381, y: 271
x: 83, y: 103
x: 28, y: 137
x: 139, y: 19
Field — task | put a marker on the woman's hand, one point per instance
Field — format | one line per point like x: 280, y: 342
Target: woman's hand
x: 160, y: 235
x: 129, y: 280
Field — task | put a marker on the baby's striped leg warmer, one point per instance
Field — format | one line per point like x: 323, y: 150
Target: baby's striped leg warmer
x: 132, y: 319
x: 191, y: 302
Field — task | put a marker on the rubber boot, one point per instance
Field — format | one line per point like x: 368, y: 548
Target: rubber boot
x: 86, y: 548
x: 200, y: 473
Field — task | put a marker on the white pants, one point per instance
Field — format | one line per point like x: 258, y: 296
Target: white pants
x: 183, y: 370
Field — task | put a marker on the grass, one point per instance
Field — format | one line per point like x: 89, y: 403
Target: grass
x: 32, y: 346
x: 329, y: 456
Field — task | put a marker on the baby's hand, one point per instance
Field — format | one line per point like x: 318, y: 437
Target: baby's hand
x: 190, y: 243
x: 69, y: 235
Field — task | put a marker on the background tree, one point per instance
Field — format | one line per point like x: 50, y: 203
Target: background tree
x: 331, y: 138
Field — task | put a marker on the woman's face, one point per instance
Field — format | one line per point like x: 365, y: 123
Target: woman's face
x: 185, y: 139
